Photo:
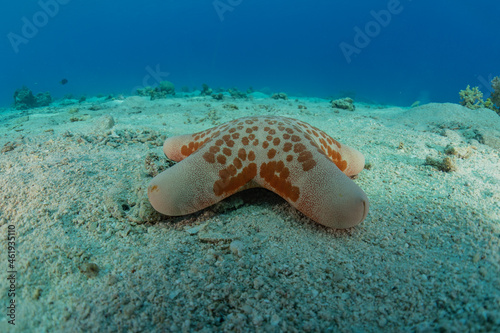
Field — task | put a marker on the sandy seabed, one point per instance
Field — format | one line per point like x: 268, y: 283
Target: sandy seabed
x: 93, y: 256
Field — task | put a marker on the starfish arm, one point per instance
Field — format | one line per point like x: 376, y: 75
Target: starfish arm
x: 349, y: 160
x: 333, y: 199
x: 179, y: 147
x: 324, y: 193
x: 182, y: 189
x: 355, y: 160
x: 207, y: 176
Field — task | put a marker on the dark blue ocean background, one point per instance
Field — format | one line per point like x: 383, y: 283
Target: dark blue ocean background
x: 426, y: 50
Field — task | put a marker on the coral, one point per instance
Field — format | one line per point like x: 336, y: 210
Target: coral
x: 281, y: 95
x: 235, y: 93
x: 166, y: 87
x: 206, y: 90
x: 230, y: 106
x: 218, y: 96
x: 344, y: 103
x: 471, y: 98
x: 495, y: 95
x: 446, y: 164
x: 24, y: 99
x: 43, y: 99
x: 146, y: 91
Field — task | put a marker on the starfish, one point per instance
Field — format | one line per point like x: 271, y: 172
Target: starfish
x: 299, y: 162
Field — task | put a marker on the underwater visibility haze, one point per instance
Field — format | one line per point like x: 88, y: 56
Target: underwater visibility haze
x: 390, y: 52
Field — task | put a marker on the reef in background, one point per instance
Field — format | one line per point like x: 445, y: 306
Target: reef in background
x: 495, y: 95
x: 165, y: 88
x: 24, y: 99
x: 472, y: 98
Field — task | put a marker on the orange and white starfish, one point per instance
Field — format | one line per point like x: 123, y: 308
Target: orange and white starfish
x: 297, y: 161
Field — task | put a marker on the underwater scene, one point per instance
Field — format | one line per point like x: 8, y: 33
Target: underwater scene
x: 250, y: 166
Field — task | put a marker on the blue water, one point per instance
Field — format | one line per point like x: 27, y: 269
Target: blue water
x: 423, y: 50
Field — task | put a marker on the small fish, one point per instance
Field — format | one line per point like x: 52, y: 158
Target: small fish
x: 64, y: 81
